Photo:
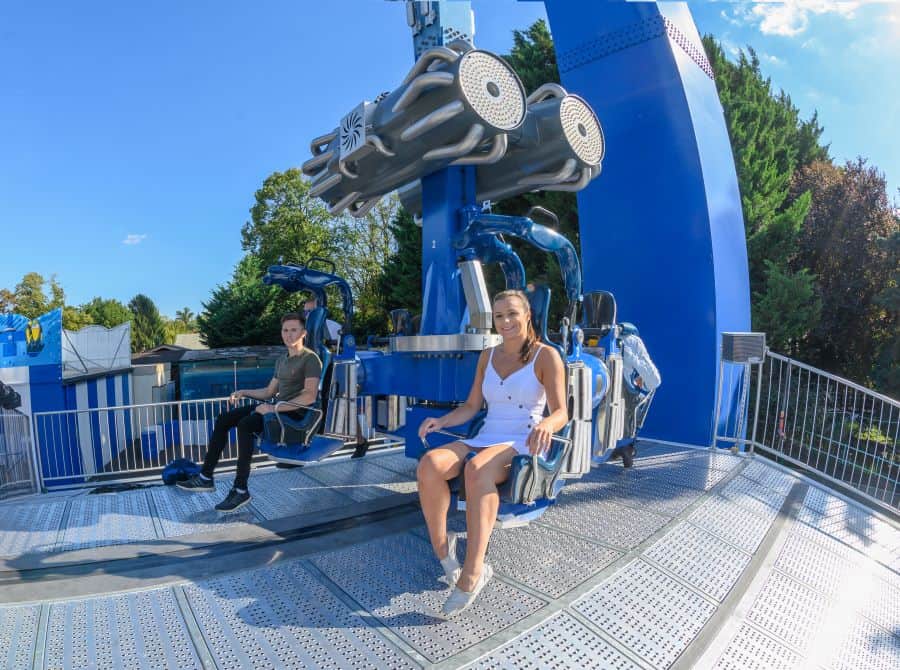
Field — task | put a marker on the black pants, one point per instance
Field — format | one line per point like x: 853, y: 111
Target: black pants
x: 249, y: 424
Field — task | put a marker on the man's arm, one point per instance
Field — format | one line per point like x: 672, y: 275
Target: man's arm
x: 307, y: 396
x: 257, y: 394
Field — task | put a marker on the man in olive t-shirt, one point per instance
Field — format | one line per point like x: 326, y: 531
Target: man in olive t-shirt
x: 295, y: 385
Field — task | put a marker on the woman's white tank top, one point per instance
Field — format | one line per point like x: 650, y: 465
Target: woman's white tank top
x: 515, y: 405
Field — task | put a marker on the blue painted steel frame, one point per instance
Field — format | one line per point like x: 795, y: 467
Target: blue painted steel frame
x: 662, y: 227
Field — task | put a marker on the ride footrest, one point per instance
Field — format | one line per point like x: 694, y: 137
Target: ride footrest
x: 319, y: 447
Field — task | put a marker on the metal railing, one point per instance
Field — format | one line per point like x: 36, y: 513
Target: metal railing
x: 18, y: 470
x: 78, y: 447
x: 838, y: 430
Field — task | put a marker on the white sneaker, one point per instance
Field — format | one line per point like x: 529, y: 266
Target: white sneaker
x: 460, y: 600
x: 451, y: 566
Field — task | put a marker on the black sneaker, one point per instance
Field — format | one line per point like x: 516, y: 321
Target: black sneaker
x: 196, y: 483
x: 233, y: 501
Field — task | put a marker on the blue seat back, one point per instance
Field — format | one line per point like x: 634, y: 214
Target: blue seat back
x: 539, y: 300
x: 316, y: 334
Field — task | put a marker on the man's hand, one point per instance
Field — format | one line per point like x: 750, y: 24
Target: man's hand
x: 430, y: 425
x: 234, y: 397
x: 264, y: 408
x: 539, y: 439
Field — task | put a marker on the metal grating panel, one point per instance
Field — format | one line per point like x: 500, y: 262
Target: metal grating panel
x: 852, y: 525
x: 185, y: 513
x: 647, y: 611
x: 753, y: 496
x: 752, y: 650
x: 283, y: 617
x: 30, y: 527
x: 733, y: 523
x: 853, y: 579
x: 788, y: 610
x: 685, y: 473
x: 398, y: 462
x: 545, y: 559
x: 134, y: 630
x: 580, y: 510
x: 561, y: 643
x: 768, y: 476
x: 98, y: 520
x: 699, y: 558
x: 361, y: 480
x: 396, y: 579
x: 18, y: 633
x: 716, y: 460
x: 653, y: 493
x: 287, y: 492
x: 867, y: 646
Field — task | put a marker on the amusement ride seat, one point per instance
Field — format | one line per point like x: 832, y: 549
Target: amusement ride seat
x: 298, y: 440
x: 533, y: 481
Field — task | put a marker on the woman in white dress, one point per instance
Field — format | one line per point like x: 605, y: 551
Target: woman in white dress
x: 517, y: 379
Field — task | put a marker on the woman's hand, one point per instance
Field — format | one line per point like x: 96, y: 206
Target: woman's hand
x: 539, y: 439
x: 430, y: 425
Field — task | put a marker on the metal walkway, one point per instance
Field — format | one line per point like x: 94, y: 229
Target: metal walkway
x: 690, y: 559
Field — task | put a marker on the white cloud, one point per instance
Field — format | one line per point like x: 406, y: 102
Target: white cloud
x: 789, y: 18
x: 770, y: 59
x: 132, y: 238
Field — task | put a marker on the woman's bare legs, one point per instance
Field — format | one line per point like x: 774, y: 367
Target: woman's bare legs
x: 437, y: 467
x: 488, y: 468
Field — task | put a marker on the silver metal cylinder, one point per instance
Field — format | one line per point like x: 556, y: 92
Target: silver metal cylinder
x: 451, y: 106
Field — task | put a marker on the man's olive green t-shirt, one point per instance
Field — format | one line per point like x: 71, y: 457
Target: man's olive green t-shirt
x: 293, y: 371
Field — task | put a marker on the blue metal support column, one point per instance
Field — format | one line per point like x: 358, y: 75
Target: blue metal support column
x: 662, y: 227
x: 444, y: 193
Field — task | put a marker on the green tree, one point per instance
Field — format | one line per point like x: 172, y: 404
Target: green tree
x: 286, y: 223
x: 30, y: 299
x: 75, y: 318
x: 7, y: 301
x: 147, y: 327
x: 108, y: 313
x: 886, y: 373
x: 368, y: 244
x: 186, y: 318
x: 400, y: 284
x: 785, y: 307
x: 533, y: 56
x: 840, y: 242
x: 244, y: 311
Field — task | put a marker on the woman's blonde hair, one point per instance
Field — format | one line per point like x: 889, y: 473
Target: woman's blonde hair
x: 530, y: 335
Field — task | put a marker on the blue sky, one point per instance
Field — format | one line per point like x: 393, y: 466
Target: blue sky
x: 133, y: 135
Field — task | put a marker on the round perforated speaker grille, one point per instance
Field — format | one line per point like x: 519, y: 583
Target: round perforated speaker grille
x: 582, y: 129
x: 493, y: 89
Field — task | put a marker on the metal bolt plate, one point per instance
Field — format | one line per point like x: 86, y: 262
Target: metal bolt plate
x: 18, y: 632
x: 30, y: 527
x: 134, y: 630
x: 287, y: 492
x: 769, y: 477
x: 647, y: 611
x: 753, y: 496
x: 752, y: 650
x: 396, y: 579
x: 283, y: 617
x: 185, y: 513
x: 580, y: 509
x: 732, y: 523
x: 98, y: 520
x: 561, y: 642
x: 361, y: 480
x: 700, y: 559
x: 788, y: 610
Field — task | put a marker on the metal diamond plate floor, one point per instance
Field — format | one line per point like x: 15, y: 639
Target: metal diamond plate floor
x: 690, y: 559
